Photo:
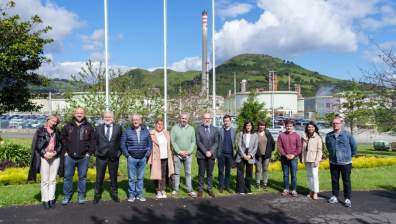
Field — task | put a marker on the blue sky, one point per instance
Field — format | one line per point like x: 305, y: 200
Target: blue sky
x: 335, y: 38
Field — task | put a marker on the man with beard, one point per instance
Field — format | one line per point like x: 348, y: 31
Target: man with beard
x: 78, y: 141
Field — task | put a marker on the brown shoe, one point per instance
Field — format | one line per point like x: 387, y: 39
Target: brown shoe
x: 211, y: 194
x: 200, y: 194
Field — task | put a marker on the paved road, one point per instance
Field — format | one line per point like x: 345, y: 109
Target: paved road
x: 368, y: 207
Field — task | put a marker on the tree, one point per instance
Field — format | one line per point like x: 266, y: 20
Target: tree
x: 253, y: 111
x: 21, y: 54
x: 356, y: 105
x: 383, y: 84
x: 124, y: 98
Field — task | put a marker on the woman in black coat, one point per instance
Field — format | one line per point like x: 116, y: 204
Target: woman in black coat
x: 46, y: 150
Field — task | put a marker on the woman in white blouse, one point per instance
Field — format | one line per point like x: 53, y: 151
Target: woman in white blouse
x: 161, y: 158
x: 245, y: 157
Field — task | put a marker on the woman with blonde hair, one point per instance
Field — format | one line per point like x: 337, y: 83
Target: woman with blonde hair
x: 47, y: 148
x: 161, y: 158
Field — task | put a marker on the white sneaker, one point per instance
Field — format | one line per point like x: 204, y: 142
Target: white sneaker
x: 333, y: 200
x: 174, y: 193
x: 192, y: 194
x: 163, y: 194
x: 347, y: 203
x: 141, y: 199
x: 131, y: 199
x: 158, y: 195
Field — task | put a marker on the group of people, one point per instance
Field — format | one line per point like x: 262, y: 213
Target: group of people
x: 167, y: 153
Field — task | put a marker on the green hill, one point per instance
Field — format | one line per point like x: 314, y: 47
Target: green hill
x: 252, y: 67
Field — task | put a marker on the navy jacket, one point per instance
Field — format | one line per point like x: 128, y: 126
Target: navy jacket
x: 130, y: 145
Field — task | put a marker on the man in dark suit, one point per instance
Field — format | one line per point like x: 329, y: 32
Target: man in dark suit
x: 207, y: 142
x: 108, y: 151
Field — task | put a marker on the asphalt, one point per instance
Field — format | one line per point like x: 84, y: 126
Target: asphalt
x: 367, y: 208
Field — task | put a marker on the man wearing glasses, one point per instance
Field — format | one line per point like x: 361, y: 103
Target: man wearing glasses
x: 341, y: 146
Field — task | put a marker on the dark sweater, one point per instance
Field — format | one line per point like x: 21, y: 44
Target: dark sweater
x: 227, y: 143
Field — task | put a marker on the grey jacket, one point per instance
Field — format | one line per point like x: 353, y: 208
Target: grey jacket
x: 207, y: 143
x: 242, y: 148
x: 221, y: 139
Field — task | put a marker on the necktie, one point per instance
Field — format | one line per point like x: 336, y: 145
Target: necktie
x: 207, y: 131
x: 107, y: 134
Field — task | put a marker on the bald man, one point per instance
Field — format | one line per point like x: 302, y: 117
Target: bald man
x: 108, y: 151
x: 78, y: 143
x: 341, y: 146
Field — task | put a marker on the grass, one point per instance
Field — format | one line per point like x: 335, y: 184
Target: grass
x: 362, y: 179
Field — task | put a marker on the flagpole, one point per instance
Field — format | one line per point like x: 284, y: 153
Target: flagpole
x: 106, y: 57
x: 165, y: 67
x: 213, y: 60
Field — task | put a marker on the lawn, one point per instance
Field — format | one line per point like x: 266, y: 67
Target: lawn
x: 362, y: 179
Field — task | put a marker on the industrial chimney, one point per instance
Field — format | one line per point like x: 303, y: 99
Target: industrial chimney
x: 205, y: 74
x: 243, y: 86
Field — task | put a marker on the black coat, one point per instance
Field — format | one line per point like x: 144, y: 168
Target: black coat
x: 77, y: 141
x: 270, y: 145
x: 105, y: 148
x: 40, y: 142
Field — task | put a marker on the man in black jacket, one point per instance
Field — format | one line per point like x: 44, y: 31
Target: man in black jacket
x: 108, y: 151
x: 78, y: 141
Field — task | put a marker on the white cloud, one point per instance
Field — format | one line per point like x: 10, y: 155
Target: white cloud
x: 387, y: 17
x: 373, y: 54
x: 232, y: 10
x: 65, y: 70
x: 94, y: 44
x: 287, y: 28
x: 62, y: 21
x: 187, y: 64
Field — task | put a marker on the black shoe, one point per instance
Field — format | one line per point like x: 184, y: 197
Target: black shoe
x: 96, y: 199
x: 46, y: 205
x: 115, y: 197
x: 265, y: 187
x: 257, y: 185
x: 51, y: 203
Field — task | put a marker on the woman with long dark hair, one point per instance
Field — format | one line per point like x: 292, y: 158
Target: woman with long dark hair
x: 245, y: 157
x: 311, y: 157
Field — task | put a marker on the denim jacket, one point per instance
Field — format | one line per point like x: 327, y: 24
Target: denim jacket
x: 342, y: 148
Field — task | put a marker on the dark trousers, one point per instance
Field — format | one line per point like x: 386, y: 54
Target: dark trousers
x: 101, y: 164
x: 244, y: 181
x: 289, y: 167
x: 205, y: 165
x: 161, y: 184
x: 345, y: 171
x: 225, y: 161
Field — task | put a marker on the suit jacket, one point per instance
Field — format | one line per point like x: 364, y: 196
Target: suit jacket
x: 104, y: 147
x: 221, y: 139
x: 243, y: 149
x: 207, y: 143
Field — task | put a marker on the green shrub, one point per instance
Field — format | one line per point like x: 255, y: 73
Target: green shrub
x: 18, y: 154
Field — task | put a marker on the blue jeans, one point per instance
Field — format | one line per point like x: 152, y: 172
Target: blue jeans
x: 289, y: 165
x: 225, y: 163
x: 82, y: 167
x: 135, y: 176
